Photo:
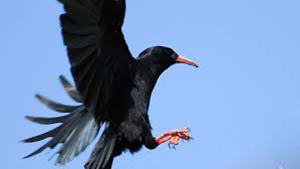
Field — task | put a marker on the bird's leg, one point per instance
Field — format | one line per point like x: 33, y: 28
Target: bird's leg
x: 173, y: 136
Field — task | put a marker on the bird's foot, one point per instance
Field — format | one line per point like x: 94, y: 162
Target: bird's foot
x: 173, y: 136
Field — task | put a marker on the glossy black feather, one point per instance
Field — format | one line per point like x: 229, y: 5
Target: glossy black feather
x: 45, y: 120
x: 102, y: 155
x: 58, y: 107
x: 72, y: 92
x: 96, y: 49
x: 77, y: 131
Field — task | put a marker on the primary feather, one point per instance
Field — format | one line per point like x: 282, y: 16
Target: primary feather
x: 77, y: 131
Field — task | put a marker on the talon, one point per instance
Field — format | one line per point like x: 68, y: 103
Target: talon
x: 169, y: 145
x: 188, y: 129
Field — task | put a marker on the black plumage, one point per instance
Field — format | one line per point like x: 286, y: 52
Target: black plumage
x: 112, y: 87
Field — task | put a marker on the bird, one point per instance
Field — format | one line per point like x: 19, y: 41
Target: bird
x: 112, y: 88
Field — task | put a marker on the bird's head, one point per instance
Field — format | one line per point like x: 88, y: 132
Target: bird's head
x: 159, y: 58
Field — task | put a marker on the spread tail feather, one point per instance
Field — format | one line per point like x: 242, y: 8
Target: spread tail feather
x: 103, y: 153
x: 77, y: 131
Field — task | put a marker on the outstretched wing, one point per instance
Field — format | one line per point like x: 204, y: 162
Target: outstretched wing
x: 97, y: 50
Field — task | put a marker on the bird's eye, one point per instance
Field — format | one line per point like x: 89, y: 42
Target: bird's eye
x: 174, y: 56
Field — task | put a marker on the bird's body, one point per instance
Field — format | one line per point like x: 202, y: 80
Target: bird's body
x: 112, y: 87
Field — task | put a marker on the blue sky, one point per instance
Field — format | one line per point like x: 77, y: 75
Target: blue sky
x: 243, y: 104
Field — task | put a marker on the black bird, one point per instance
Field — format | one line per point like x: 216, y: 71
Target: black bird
x: 112, y: 87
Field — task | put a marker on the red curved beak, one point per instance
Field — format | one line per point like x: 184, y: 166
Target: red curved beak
x: 181, y: 59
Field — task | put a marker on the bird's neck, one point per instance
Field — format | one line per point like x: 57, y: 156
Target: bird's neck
x: 149, y: 75
x: 145, y: 80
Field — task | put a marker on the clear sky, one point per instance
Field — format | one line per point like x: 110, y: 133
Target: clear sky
x: 243, y: 104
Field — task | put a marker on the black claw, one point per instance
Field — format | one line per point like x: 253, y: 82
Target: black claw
x: 169, y: 145
x: 174, y: 147
x: 188, y: 129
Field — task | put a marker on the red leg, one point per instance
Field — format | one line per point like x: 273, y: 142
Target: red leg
x: 173, y: 136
